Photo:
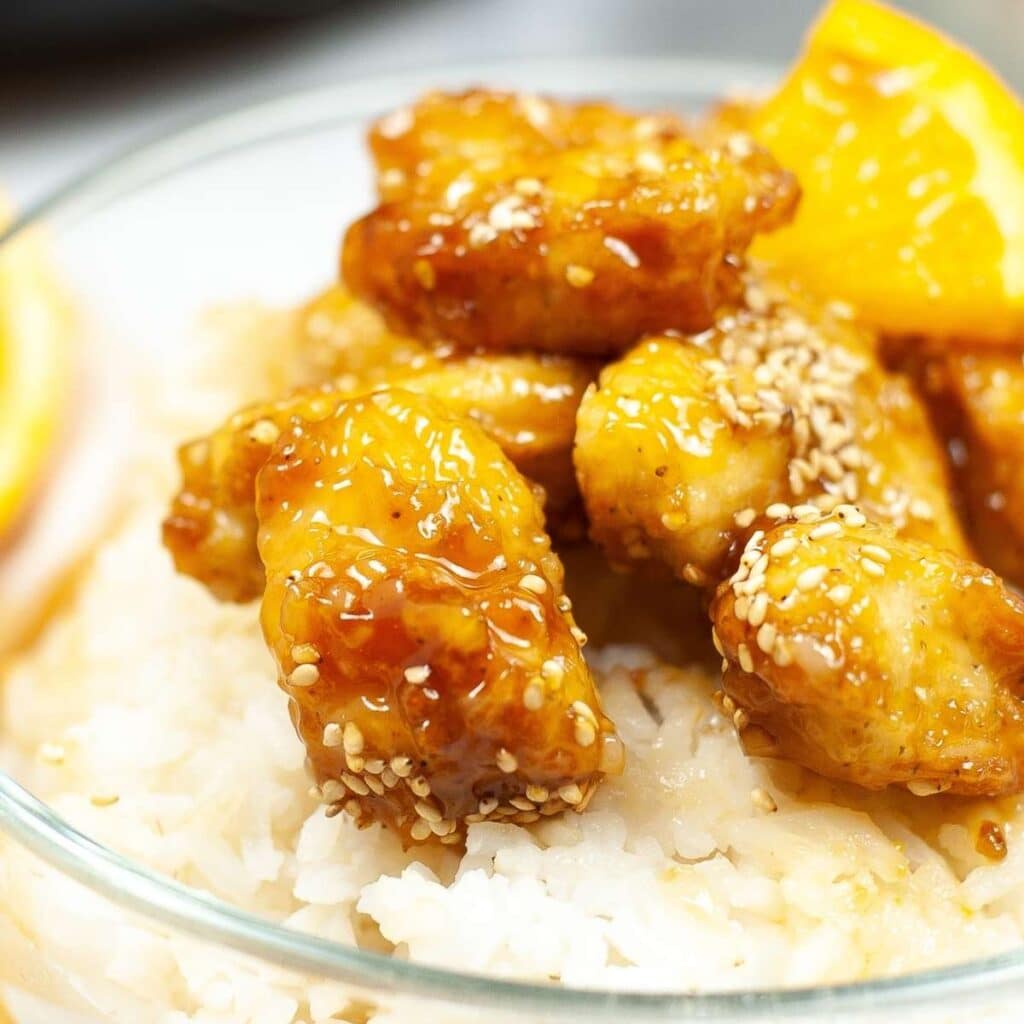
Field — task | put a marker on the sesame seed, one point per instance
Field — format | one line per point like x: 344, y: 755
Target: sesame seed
x: 305, y: 654
x: 553, y: 671
x: 427, y: 811
x: 745, y: 517
x: 811, y: 578
x: 877, y: 553
x: 352, y: 738
x: 355, y: 783
x: 304, y: 675
x: 695, y: 577
x: 778, y: 510
x: 534, y: 583
x: 766, y: 637
x: 851, y: 515
x: 781, y: 654
x: 533, y: 695
x: 584, y: 732
x: 419, y: 786
x: 506, y: 761
x: 745, y: 660
x: 332, y: 735
x: 827, y: 529
x: 758, y: 609
x: 417, y: 674
x: 571, y: 794
x: 783, y: 547
x: 871, y: 567
x: 332, y: 791
x: 577, y: 276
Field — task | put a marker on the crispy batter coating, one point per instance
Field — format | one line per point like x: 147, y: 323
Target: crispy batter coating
x: 416, y: 612
x: 526, y: 403
x: 685, y: 440
x: 515, y: 222
x: 872, y: 658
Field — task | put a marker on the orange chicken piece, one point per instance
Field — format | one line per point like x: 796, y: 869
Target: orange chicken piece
x: 872, y: 658
x: 685, y: 440
x: 516, y: 222
x: 416, y: 611
x: 525, y: 403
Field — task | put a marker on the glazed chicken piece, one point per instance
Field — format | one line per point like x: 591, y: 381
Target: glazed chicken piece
x: 978, y: 401
x: 685, y: 440
x: 525, y: 403
x: 416, y: 611
x: 515, y: 222
x: 871, y: 658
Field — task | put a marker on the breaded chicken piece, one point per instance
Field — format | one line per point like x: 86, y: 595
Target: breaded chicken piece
x: 685, y: 440
x: 525, y: 403
x: 514, y: 222
x: 978, y: 402
x: 872, y: 658
x: 415, y: 609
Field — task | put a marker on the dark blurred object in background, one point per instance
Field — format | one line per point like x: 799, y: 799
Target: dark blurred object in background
x: 29, y: 29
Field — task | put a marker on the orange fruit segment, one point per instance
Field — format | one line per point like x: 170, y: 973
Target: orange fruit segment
x: 910, y: 153
x: 34, y: 336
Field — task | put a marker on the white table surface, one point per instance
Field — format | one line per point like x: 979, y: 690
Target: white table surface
x: 58, y: 117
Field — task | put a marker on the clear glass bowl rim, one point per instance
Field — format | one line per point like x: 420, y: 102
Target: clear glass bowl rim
x: 36, y: 827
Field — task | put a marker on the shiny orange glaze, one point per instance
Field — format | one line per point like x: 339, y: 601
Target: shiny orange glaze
x: 685, y: 440
x: 872, y: 658
x: 416, y: 611
x: 513, y: 222
x: 526, y: 403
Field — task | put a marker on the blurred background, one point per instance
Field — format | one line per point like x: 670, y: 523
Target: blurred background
x: 81, y: 79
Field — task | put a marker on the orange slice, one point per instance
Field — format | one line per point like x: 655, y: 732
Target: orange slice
x: 911, y: 156
x: 34, y: 357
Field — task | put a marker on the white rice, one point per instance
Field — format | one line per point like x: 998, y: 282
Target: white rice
x: 148, y: 715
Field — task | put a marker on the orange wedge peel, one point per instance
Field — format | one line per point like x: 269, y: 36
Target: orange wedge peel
x: 910, y: 153
x: 35, y: 320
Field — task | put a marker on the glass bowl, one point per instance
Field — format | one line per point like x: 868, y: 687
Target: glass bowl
x: 251, y: 204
